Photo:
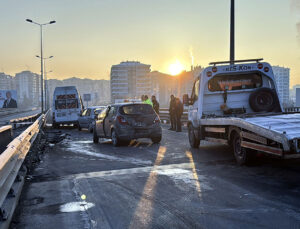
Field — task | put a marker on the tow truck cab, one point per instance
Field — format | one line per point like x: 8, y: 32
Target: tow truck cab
x: 228, y: 90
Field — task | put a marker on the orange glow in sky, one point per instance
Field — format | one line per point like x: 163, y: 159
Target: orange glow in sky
x: 91, y: 36
x: 176, y: 68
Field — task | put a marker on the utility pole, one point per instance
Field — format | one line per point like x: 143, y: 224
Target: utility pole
x: 232, y: 32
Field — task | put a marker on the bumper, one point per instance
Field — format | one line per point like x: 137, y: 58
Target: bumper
x: 129, y: 133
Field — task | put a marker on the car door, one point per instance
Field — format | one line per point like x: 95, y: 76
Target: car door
x: 108, y: 122
x: 88, y: 118
x: 194, y: 107
x: 81, y: 118
x: 99, y: 123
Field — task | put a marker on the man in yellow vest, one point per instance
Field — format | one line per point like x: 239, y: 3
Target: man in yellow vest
x: 147, y: 100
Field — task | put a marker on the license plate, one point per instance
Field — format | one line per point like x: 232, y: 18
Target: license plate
x: 139, y: 124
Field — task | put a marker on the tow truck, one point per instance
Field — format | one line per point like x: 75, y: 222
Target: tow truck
x: 237, y: 103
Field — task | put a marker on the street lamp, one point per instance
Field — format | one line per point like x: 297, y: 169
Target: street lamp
x: 42, y: 73
x: 45, y: 86
x: 232, y: 40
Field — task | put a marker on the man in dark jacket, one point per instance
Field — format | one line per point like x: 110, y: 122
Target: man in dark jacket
x: 9, y: 102
x: 155, y: 104
x: 172, y: 113
x: 179, y: 112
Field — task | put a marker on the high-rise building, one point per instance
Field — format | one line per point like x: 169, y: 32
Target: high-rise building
x: 129, y: 80
x: 282, y: 78
x: 6, y: 82
x: 28, y: 88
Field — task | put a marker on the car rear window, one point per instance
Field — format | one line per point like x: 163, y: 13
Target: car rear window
x: 98, y: 110
x: 235, y: 82
x: 137, y: 109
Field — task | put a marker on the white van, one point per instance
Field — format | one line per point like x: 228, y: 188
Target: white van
x: 67, y: 106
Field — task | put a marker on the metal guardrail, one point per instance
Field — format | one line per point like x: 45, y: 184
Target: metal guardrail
x: 165, y: 116
x: 20, y: 122
x: 11, y: 177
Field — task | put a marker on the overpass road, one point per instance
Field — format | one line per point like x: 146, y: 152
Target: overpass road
x: 4, y: 119
x: 79, y: 184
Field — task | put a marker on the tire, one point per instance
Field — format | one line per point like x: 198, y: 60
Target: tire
x: 193, y: 139
x: 79, y: 127
x: 115, y: 139
x: 263, y: 100
x: 156, y: 140
x: 95, y: 137
x: 242, y: 155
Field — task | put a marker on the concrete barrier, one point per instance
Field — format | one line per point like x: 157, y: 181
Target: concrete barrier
x: 5, y: 137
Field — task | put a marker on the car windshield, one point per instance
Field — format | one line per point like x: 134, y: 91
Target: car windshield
x: 137, y: 109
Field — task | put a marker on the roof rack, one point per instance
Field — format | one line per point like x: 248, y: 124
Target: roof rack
x: 236, y: 61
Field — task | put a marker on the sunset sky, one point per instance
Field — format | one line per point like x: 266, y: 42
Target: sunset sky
x: 92, y: 35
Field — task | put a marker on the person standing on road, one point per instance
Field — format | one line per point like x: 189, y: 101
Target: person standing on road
x: 179, y: 112
x: 172, y: 113
x: 155, y: 104
x: 147, y: 100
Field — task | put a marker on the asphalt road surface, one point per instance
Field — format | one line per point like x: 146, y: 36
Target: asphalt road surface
x: 6, y: 118
x: 79, y: 184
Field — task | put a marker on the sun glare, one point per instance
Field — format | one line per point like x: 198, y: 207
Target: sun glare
x: 176, y: 68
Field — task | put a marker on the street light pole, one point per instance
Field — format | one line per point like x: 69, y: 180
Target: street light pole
x: 42, y: 70
x: 232, y: 32
x: 43, y: 60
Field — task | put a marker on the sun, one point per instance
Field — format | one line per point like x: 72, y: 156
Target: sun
x: 176, y: 68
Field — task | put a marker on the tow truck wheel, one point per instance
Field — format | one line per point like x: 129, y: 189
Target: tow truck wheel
x: 95, y: 136
x: 193, y: 139
x: 242, y: 155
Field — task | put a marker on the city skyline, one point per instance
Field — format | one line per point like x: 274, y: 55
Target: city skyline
x: 91, y: 37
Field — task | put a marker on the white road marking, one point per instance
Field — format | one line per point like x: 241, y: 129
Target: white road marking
x: 159, y: 169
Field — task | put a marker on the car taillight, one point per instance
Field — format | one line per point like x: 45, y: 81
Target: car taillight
x: 209, y: 74
x: 122, y: 120
x: 214, y: 69
x: 260, y: 66
x: 156, y: 120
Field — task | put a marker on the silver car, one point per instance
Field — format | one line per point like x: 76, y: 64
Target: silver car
x: 124, y: 122
x: 87, y: 118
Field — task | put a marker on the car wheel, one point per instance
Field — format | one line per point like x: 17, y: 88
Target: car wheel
x: 95, y: 136
x: 242, y: 155
x: 156, y: 139
x: 115, y: 139
x: 193, y: 139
